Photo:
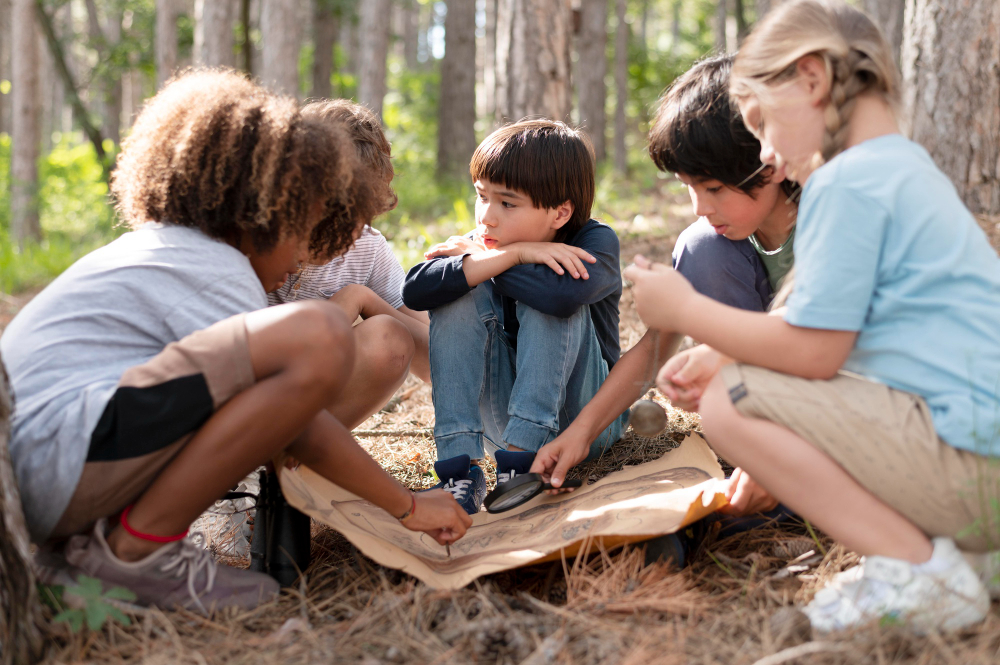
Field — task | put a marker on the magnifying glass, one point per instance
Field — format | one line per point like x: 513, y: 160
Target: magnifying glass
x: 519, y: 490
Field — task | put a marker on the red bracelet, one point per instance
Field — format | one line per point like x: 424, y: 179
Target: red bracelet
x: 147, y: 536
x: 413, y: 508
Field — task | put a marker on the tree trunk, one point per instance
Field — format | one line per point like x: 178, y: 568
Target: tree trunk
x: 246, y: 48
x: 457, y: 107
x: 533, y: 59
x: 888, y: 14
x: 26, y: 55
x: 166, y: 40
x: 5, y: 74
x: 280, y: 30
x: 111, y: 110
x: 675, y: 27
x: 374, y: 26
x: 621, y: 86
x: 326, y: 27
x: 490, y: 60
x: 20, y: 639
x: 411, y: 31
x: 742, y: 29
x: 763, y: 7
x: 593, y: 66
x: 951, y: 92
x: 214, y: 22
x: 721, y: 14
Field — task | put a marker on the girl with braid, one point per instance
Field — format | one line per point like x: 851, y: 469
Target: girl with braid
x: 870, y: 402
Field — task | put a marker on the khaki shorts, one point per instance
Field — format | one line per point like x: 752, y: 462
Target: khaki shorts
x: 156, y: 409
x: 885, y: 439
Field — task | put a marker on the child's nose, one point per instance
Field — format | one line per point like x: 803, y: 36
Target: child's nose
x: 767, y: 153
x: 702, y: 208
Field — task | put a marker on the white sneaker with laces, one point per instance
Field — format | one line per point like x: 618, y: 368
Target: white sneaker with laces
x: 943, y: 593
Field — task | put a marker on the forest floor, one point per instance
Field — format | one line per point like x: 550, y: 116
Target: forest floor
x: 731, y: 606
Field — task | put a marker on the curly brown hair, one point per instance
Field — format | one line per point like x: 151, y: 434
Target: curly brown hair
x: 217, y: 152
x: 370, y: 142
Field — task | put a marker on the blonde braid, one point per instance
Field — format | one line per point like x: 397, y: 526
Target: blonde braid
x: 850, y: 77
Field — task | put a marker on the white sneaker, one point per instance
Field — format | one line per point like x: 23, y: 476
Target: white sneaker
x: 942, y: 594
x: 987, y: 566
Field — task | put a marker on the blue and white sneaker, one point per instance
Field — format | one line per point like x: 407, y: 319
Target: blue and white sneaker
x: 464, y: 480
x: 511, y: 464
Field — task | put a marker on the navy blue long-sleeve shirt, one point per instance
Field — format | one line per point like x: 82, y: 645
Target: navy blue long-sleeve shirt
x: 440, y: 281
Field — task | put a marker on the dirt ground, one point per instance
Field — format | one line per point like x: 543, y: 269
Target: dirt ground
x: 732, y: 605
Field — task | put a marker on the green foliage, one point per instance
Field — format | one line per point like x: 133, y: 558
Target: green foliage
x: 98, y: 606
x: 76, y: 216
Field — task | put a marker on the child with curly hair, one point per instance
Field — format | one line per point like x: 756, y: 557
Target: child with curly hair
x: 150, y: 377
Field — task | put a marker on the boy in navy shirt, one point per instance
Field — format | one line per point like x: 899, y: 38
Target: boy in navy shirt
x: 524, y: 310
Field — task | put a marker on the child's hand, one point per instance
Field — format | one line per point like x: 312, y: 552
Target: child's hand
x: 438, y: 515
x: 454, y: 246
x: 745, y: 496
x: 557, y: 457
x: 556, y: 255
x: 684, y: 377
x: 661, y: 293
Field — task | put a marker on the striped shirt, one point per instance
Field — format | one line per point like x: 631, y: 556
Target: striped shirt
x: 370, y: 262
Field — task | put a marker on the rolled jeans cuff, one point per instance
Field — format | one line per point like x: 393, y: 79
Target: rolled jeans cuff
x: 527, y: 435
x: 460, y: 443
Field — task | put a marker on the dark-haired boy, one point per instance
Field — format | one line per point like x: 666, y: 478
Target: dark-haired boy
x: 524, y: 311
x: 738, y: 252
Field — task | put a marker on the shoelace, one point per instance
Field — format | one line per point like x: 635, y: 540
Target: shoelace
x: 191, y: 560
x: 458, y: 488
x: 506, y: 476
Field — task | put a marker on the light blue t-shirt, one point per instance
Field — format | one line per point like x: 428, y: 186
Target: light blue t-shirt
x: 885, y: 247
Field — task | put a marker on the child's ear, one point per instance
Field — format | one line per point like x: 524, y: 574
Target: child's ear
x: 564, y: 212
x: 816, y: 79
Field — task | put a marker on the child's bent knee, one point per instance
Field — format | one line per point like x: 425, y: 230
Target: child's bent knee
x: 716, y: 409
x: 385, y: 343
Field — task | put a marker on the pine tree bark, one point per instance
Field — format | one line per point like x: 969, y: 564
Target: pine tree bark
x: 591, y: 71
x: 621, y: 86
x: 721, y: 14
x: 533, y: 59
x: 411, y: 31
x: 457, y: 107
x: 490, y: 59
x: 25, y: 57
x: 951, y: 92
x: 889, y: 15
x: 5, y: 73
x: 281, y: 39
x: 374, y: 25
x: 215, y: 20
x: 763, y: 7
x: 166, y: 40
x: 20, y: 639
x: 326, y: 27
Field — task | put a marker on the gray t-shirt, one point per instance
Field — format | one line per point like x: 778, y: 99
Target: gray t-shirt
x: 113, y: 309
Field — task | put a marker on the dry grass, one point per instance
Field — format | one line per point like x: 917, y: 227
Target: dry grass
x: 731, y: 606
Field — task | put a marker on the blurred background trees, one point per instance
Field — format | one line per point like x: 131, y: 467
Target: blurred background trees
x: 441, y: 74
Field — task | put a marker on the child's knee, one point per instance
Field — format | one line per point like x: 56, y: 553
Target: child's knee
x: 325, y: 341
x: 386, y: 345
x: 718, y: 415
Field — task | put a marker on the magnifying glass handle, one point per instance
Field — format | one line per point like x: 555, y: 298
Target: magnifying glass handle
x: 570, y: 482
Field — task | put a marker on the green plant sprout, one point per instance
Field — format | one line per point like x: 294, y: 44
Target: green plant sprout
x: 98, y: 605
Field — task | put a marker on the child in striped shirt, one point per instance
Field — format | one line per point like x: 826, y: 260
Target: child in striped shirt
x: 366, y: 282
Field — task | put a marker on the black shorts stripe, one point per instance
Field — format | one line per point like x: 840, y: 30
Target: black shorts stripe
x: 139, y: 421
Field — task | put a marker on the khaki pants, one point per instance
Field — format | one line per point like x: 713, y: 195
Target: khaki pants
x: 885, y: 439
x: 156, y: 409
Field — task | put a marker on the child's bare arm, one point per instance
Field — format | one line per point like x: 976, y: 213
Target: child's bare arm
x: 666, y: 301
x: 559, y: 257
x: 330, y: 450
x: 623, y: 386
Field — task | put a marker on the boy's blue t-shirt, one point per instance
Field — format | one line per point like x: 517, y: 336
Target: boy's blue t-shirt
x: 885, y: 247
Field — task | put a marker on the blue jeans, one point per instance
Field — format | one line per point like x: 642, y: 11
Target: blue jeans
x: 487, y: 395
